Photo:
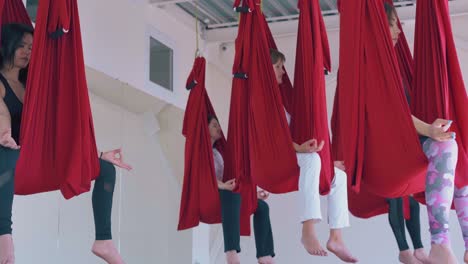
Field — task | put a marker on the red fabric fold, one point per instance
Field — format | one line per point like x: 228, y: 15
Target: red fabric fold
x: 13, y: 11
x: 258, y: 136
x: 380, y: 146
x: 57, y: 135
x: 309, y: 117
x: 200, y: 201
x: 439, y: 90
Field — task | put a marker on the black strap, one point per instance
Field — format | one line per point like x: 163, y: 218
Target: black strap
x: 242, y: 9
x: 191, y: 85
x: 57, y: 34
x: 240, y: 75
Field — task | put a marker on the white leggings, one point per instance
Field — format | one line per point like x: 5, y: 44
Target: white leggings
x: 309, y: 180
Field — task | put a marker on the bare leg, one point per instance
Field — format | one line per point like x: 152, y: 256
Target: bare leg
x: 421, y: 255
x: 441, y: 254
x: 7, y: 251
x: 337, y: 246
x: 106, y: 250
x: 310, y: 240
x: 407, y: 257
x: 232, y: 257
x: 266, y: 260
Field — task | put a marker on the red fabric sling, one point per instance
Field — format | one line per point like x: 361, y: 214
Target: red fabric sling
x: 372, y: 107
x: 200, y: 200
x: 309, y: 117
x: 57, y: 136
x: 258, y: 136
x: 439, y: 90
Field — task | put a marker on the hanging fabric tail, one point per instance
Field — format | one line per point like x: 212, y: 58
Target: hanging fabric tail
x: 439, y: 90
x: 57, y: 134
x: 200, y: 200
x: 309, y: 110
x: 381, y: 148
x: 258, y: 132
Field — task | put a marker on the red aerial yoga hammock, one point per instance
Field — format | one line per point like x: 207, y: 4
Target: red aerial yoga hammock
x: 365, y: 204
x: 58, y: 149
x: 439, y: 90
x: 258, y: 135
x: 200, y: 200
x: 307, y: 101
x: 309, y: 108
x: 378, y: 141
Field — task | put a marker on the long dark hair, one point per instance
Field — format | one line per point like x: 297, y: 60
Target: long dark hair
x: 390, y: 11
x: 12, y: 36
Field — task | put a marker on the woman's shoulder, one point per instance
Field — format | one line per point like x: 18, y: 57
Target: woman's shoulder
x: 2, y: 90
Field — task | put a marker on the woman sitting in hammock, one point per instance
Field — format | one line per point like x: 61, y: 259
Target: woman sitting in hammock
x: 16, y: 44
x: 395, y: 205
x: 441, y: 149
x: 230, y: 207
x: 309, y: 179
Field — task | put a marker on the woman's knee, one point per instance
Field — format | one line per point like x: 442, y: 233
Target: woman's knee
x: 340, y: 178
x: 433, y: 148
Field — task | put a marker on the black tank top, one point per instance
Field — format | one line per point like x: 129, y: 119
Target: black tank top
x: 15, y: 107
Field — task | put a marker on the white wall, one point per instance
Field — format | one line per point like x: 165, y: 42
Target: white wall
x: 116, y: 42
x: 48, y: 229
x: 371, y: 240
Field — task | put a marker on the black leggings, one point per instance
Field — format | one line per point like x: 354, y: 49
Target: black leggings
x: 397, y: 222
x: 230, y: 212
x: 103, y: 194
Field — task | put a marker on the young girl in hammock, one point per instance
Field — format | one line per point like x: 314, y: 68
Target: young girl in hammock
x: 230, y: 210
x: 441, y: 149
x: 395, y: 208
x: 16, y: 43
x: 309, y: 179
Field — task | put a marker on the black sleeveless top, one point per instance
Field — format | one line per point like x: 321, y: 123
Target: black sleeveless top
x: 15, y: 107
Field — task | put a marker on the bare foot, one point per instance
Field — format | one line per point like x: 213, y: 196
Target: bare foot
x: 313, y: 247
x: 310, y: 241
x: 466, y: 257
x: 106, y: 250
x: 7, y: 251
x: 337, y: 247
x: 232, y: 257
x: 406, y: 257
x: 420, y: 254
x: 266, y: 260
x: 441, y: 254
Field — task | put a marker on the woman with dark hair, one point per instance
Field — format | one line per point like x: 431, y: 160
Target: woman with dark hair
x: 230, y: 210
x: 395, y: 205
x: 441, y: 149
x: 15, y: 53
x: 309, y: 179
